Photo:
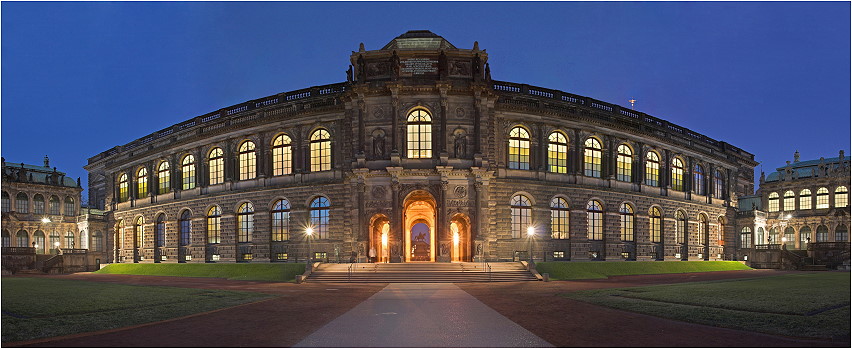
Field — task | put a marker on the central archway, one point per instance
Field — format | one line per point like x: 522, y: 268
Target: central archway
x: 419, y: 227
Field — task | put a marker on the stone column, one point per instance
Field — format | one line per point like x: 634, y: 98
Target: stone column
x: 576, y: 157
x: 396, y: 220
x: 477, y: 129
x: 441, y: 227
x: 442, y: 132
x: 362, y: 107
x: 638, y: 162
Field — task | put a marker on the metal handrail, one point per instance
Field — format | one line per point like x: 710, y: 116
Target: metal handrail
x: 349, y: 271
x: 488, y: 270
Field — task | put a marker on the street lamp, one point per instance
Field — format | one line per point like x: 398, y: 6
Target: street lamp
x: 56, y: 246
x: 45, y: 220
x: 530, y: 235
x: 309, y: 232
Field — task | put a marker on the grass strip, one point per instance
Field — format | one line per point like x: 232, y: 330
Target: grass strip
x: 281, y: 272
x: 602, y: 270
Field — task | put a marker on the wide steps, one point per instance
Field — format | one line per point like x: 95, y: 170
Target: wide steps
x: 420, y: 273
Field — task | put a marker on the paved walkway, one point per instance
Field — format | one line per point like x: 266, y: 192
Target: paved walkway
x: 422, y: 315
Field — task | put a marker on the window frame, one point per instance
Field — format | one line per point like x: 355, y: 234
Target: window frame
x: 519, y: 148
x: 280, y: 220
x: 652, y: 169
x: 677, y: 174
x: 560, y: 214
x: 282, y: 155
x: 142, y: 182
x: 247, y: 160
x: 557, y: 152
x: 774, y: 202
x: 418, y: 135
x: 628, y: 220
x: 521, y: 214
x: 320, y: 216
x: 320, y: 150
x: 624, y: 163
x: 215, y: 166
x: 22, y: 203
x: 214, y: 225
x: 187, y: 175
x: 594, y: 220
x: 841, y: 198
x: 592, y: 157
x: 655, y: 224
x: 822, y: 201
x: 164, y: 177
x: 805, y: 200
x: 245, y: 222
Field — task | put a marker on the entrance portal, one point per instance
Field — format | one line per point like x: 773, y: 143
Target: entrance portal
x: 421, y: 242
x: 419, y: 227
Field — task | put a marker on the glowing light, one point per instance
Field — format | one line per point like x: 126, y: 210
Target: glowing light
x: 309, y: 231
x: 36, y: 245
x: 455, y: 238
x: 384, y: 239
x: 530, y: 231
x: 56, y: 244
x: 45, y: 220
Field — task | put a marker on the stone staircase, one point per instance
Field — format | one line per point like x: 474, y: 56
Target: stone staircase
x: 420, y: 272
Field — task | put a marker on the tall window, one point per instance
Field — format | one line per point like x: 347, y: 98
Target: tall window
x: 98, y: 241
x: 320, y: 151
x: 7, y: 239
x: 53, y: 205
x: 773, y: 202
x: 703, y: 228
x: 519, y: 149
x: 594, y: 220
x: 160, y: 231
x: 281, y: 220
x: 656, y: 224
x: 245, y: 222
x: 804, y: 236
x: 841, y: 233
x: 719, y: 185
x: 70, y: 209
x: 38, y: 204
x: 69, y: 240
x: 248, y: 161
x: 23, y: 239
x: 419, y: 134
x: 54, y: 239
x: 557, y: 153
x: 805, y: 199
x: 22, y: 203
x: 187, y: 167
x: 789, y: 201
x: 559, y: 218
x: 140, y: 232
x: 185, y: 228
x: 841, y: 197
x: 216, y: 163
x: 677, y: 174
x: 319, y: 217
x: 164, y: 177
x: 141, y: 183
x: 123, y: 188
x: 773, y: 236
x: 6, y: 203
x: 624, y: 166
x: 822, y: 198
x: 214, y: 225
x: 521, y: 215
x: 789, y: 237
x: 822, y: 234
x: 758, y: 240
x: 626, y: 212
x: 592, y: 158
x: 652, y: 169
x: 698, y: 186
x: 680, y: 227
x: 38, y: 239
x: 282, y: 156
x: 745, y: 238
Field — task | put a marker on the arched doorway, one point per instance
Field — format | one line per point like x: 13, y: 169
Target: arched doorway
x: 460, y: 238
x: 419, y: 227
x: 380, y: 239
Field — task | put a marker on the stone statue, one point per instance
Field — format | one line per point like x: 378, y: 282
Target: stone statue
x: 362, y: 70
x: 349, y: 74
x: 442, y: 64
x: 395, y: 65
x: 379, y: 144
x: 487, y: 72
x: 460, y: 145
x: 445, y: 249
x: 479, y: 249
x: 477, y: 62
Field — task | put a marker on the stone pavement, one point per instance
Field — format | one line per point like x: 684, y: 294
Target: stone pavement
x: 422, y: 315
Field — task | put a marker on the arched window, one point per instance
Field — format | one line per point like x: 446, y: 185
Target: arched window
x: 822, y: 198
x: 789, y: 201
x: 698, y: 186
x: 54, y: 239
x: 773, y: 236
x: 558, y: 218
x: 719, y: 185
x: 23, y: 239
x: 98, y: 241
x: 624, y: 166
x: 592, y: 158
x: 216, y: 164
x: 521, y: 215
x: 652, y: 169
x: 419, y: 134
x: 142, y: 183
x: 245, y: 222
x: 38, y: 238
x: 22, y: 203
x: 519, y: 149
x: 282, y: 155
x: 677, y: 174
x: 680, y: 227
x: 745, y: 238
x: 319, y: 216
x: 805, y: 199
x: 841, y: 233
x: 656, y: 224
x: 38, y: 204
x: 822, y: 234
x: 7, y: 238
x: 594, y: 220
x: 164, y: 177
x: 53, y: 205
x: 804, y: 236
x: 626, y: 212
x: 69, y: 240
x: 759, y: 239
x: 841, y: 197
x: 160, y: 231
x: 214, y: 217
x: 773, y: 202
x: 281, y: 220
x: 703, y: 229
x: 70, y: 208
x: 320, y: 151
x: 789, y: 237
x: 557, y: 153
x: 140, y: 232
x: 185, y: 228
x: 248, y: 161
x: 123, y: 188
x: 6, y: 203
x: 187, y: 168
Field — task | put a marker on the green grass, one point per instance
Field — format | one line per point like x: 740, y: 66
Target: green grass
x: 602, y: 270
x: 38, y: 308
x: 283, y: 272
x: 815, y: 305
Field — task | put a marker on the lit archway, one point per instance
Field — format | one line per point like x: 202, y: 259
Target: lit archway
x: 380, y: 238
x: 419, y: 227
x: 460, y: 238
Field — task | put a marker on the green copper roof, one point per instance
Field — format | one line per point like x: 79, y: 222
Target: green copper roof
x: 418, y: 40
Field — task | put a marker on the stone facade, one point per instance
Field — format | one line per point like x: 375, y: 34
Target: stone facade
x: 458, y: 178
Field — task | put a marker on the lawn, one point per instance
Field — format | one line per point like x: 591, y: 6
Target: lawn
x: 602, y: 270
x: 283, y: 272
x: 813, y: 305
x: 37, y: 308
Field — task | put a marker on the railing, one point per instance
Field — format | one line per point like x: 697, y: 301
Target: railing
x: 488, y: 270
x: 50, y: 262
x: 75, y: 251
x: 18, y: 250
x: 349, y: 271
x: 796, y: 261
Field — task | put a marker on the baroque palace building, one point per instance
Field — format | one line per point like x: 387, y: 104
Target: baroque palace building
x: 421, y: 156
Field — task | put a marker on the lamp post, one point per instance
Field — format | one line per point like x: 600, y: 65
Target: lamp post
x: 309, y: 232
x: 530, y: 235
x: 56, y: 246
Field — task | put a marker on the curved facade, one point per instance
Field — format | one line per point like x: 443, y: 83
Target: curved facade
x: 421, y: 156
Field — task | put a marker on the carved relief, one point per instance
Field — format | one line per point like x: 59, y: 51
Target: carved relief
x: 459, y: 143
x: 378, y: 142
x: 460, y: 191
x: 379, y: 193
x: 460, y: 112
x: 379, y: 113
x: 375, y: 69
x: 460, y: 68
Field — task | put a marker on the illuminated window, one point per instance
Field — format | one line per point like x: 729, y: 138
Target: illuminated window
x: 245, y: 222
x: 160, y: 231
x: 822, y: 198
x: 698, y: 186
x: 822, y: 234
x: 69, y: 240
x: 281, y: 220
x: 53, y: 206
x: 70, y: 208
x: 677, y: 174
x: 789, y: 201
x: 141, y: 183
x: 519, y: 149
x: 559, y: 218
x: 804, y: 236
x: 521, y: 215
x: 123, y: 188
x: 140, y: 232
x: 841, y: 197
x: 841, y: 233
x: 54, y: 239
x: 248, y: 161
x: 745, y: 238
x: 38, y: 204
x: 216, y: 163
x: 98, y: 241
x: 773, y: 202
x: 719, y: 185
x: 656, y: 224
x: 419, y: 134
x: 187, y: 168
x: 22, y: 203
x: 592, y: 158
x: 185, y: 228
x: 214, y: 225
x: 282, y: 156
x: 773, y: 236
x: 319, y: 217
x: 680, y: 227
x: 557, y: 153
x: 6, y: 204
x: 790, y: 237
x: 320, y: 151
x: 624, y: 171
x: 703, y: 228
x: 805, y: 199
x: 23, y: 239
x: 758, y: 240
x: 626, y: 212
x: 164, y: 177
x: 38, y: 239
x: 594, y: 220
x: 652, y: 169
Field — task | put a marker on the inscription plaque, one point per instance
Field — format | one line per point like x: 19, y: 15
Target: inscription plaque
x: 418, y: 66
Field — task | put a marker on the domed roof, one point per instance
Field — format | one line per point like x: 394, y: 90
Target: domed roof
x: 418, y: 40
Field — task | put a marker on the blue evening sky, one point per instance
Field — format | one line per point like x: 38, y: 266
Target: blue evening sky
x: 80, y: 78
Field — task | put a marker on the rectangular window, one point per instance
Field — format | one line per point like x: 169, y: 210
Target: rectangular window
x: 281, y: 256
x: 625, y: 168
x: 214, y: 257
x: 626, y: 227
x: 282, y: 161
x: 655, y: 229
x: 558, y: 254
x: 320, y: 255
x: 248, y: 169
x: 745, y: 240
x: 652, y: 174
x: 557, y: 155
x: 247, y: 256
x: 217, y: 172
x: 592, y: 160
x: 519, y: 154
